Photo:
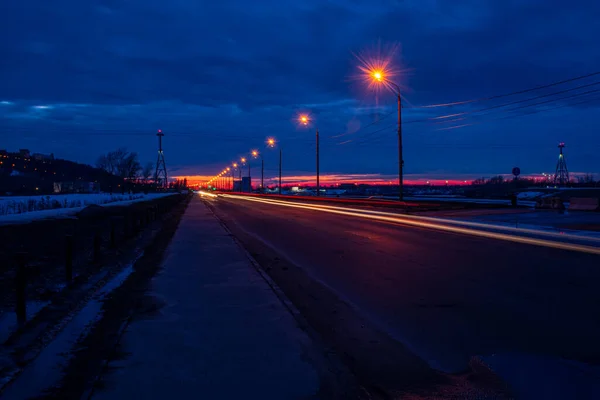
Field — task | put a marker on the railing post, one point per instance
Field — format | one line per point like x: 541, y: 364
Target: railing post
x: 97, y: 242
x: 113, y: 234
x: 69, y: 258
x: 126, y: 226
x: 21, y: 286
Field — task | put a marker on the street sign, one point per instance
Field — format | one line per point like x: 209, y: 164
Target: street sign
x: 516, y: 171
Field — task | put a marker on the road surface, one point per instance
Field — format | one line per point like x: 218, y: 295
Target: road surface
x: 448, y: 297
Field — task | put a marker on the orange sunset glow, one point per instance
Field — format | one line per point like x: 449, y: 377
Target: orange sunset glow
x: 337, y: 179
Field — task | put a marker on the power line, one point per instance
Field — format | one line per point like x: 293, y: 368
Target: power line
x: 508, y: 94
x: 515, y: 102
x: 379, y: 138
x: 362, y: 141
x: 534, y: 112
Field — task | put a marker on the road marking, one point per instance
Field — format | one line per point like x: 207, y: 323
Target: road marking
x: 445, y: 225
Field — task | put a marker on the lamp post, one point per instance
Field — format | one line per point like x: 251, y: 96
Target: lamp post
x: 234, y: 165
x: 228, y: 170
x: 242, y: 162
x: 256, y: 154
x: 304, y: 120
x: 271, y: 143
x: 378, y: 76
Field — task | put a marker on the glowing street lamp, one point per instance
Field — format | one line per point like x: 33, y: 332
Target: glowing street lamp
x: 271, y: 143
x: 378, y: 75
x: 242, y: 162
x: 256, y: 154
x: 305, y: 120
x: 229, y: 187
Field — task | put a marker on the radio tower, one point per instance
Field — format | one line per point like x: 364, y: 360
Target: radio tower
x: 561, y: 176
x: 160, y: 176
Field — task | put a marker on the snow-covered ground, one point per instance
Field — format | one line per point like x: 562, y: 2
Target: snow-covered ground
x: 529, y: 195
x: 21, y: 209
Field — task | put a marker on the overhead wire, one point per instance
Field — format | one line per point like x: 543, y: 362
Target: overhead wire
x: 508, y: 94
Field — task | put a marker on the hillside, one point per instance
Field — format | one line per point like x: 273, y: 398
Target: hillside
x: 23, y: 174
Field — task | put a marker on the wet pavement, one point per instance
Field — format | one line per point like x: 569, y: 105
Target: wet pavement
x: 217, y: 328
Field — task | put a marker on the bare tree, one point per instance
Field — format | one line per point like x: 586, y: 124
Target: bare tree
x: 120, y: 163
x: 105, y: 162
x: 587, y: 179
x: 129, y: 167
x: 147, y: 172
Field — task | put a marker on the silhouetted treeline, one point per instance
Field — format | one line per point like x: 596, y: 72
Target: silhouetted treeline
x: 500, y: 187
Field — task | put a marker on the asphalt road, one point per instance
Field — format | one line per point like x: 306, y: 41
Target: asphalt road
x: 446, y: 296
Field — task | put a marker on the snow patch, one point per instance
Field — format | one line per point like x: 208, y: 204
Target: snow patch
x: 23, y: 209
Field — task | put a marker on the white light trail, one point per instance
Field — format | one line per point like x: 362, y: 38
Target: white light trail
x: 445, y: 225
x: 202, y: 193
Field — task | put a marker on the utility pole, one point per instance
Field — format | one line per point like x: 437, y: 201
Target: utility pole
x: 240, y: 170
x: 280, y: 170
x: 400, y: 159
x: 318, y: 186
x: 160, y: 175
x: 262, y: 174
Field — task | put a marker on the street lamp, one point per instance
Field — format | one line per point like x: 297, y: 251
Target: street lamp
x: 304, y: 120
x: 378, y: 76
x: 229, y: 169
x: 234, y: 165
x: 242, y: 162
x: 271, y: 143
x: 256, y: 154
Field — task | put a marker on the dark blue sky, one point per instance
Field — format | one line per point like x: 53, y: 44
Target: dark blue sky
x: 79, y: 78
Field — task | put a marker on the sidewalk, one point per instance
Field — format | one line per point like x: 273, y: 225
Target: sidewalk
x: 220, y: 332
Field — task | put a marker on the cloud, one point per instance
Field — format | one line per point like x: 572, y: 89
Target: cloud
x: 218, y: 77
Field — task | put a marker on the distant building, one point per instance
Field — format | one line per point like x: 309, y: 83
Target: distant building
x: 348, y: 187
x: 24, y: 153
x: 245, y: 185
